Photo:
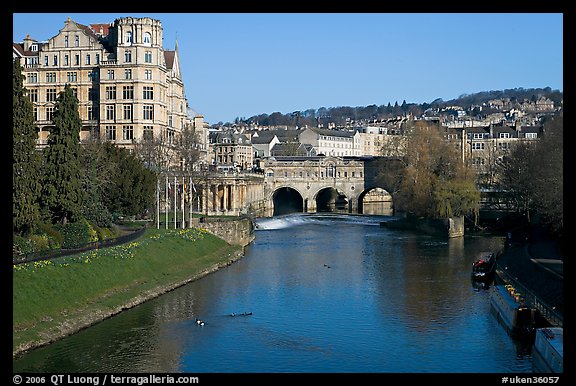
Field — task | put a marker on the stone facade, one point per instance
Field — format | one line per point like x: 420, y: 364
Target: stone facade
x: 128, y: 86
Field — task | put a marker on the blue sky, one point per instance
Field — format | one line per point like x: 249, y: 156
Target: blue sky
x: 243, y: 64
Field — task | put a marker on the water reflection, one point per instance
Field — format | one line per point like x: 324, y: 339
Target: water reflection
x: 327, y: 293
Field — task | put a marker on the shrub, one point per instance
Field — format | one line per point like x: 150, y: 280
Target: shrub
x: 77, y: 234
x: 103, y: 233
x: 55, y: 238
x: 39, y: 242
x: 21, y: 246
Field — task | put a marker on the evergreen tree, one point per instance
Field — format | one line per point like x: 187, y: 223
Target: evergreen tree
x: 63, y: 193
x: 26, y: 160
x: 132, y: 186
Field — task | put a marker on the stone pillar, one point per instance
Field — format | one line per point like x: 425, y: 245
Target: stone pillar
x: 225, y: 197
x: 353, y: 205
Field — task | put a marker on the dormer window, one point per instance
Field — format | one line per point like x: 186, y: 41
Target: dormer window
x: 504, y: 135
x: 147, y: 38
x: 34, y: 47
x: 65, y: 41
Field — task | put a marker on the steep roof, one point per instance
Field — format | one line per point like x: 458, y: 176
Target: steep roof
x: 19, y: 47
x: 100, y: 29
x: 169, y: 59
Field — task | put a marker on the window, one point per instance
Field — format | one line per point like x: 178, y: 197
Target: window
x: 170, y: 135
x: 128, y: 112
x: 478, y: 161
x: 72, y: 77
x: 110, y: 112
x: 55, y: 62
x: 93, y: 75
x: 148, y: 74
x: 111, y: 133
x: 65, y: 41
x: 35, y: 113
x: 147, y: 38
x: 33, y: 78
x: 88, y: 59
x: 49, y: 113
x: 148, y: 133
x: 128, y: 56
x: 128, y: 92
x: 76, y: 41
x: 75, y: 92
x: 97, y: 58
x: 504, y: 135
x: 76, y: 60
x: 503, y: 146
x: 65, y: 60
x: 45, y: 60
x: 90, y: 113
x: 478, y: 146
x: 129, y: 37
x: 50, y: 77
x: 148, y: 93
x: 33, y: 95
x: 170, y: 121
x: 148, y: 112
x: 110, y: 74
x: 51, y: 95
x: 110, y: 92
x: 148, y: 57
x: 127, y: 133
x: 477, y: 135
x: 531, y: 135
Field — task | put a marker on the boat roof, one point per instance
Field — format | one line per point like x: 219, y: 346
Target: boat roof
x: 555, y: 337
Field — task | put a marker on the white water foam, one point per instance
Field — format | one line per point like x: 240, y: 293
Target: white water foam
x: 296, y: 219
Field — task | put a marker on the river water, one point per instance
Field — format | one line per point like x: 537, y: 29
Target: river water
x: 327, y: 293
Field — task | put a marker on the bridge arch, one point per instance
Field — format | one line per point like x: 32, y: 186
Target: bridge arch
x: 330, y: 199
x: 285, y: 200
x: 376, y: 200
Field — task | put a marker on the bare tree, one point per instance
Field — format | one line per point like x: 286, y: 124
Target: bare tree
x: 187, y: 149
x: 157, y: 152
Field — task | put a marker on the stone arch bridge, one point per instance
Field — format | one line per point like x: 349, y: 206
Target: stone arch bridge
x: 323, y: 184
x: 295, y: 184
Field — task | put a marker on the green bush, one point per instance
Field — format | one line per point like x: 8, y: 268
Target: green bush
x: 97, y: 214
x: 55, y: 238
x: 103, y: 233
x: 21, y: 246
x: 77, y: 234
x: 39, y: 242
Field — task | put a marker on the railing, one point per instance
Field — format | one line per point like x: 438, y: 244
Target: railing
x: 547, y: 312
x: 109, y: 62
x: 51, y: 254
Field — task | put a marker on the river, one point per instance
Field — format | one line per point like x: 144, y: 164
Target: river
x: 327, y: 293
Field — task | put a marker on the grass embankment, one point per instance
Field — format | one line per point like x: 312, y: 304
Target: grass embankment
x: 52, y: 299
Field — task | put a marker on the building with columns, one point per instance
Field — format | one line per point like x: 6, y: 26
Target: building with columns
x: 128, y: 86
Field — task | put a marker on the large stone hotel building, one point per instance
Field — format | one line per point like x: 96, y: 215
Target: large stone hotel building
x: 128, y: 86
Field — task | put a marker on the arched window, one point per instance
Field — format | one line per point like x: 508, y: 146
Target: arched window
x: 147, y: 38
x: 129, y: 37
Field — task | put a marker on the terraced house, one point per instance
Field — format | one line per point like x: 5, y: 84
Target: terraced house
x: 128, y: 86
